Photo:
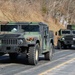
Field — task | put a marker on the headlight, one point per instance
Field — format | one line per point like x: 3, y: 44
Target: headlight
x: 30, y: 39
x: 20, y: 41
x: 63, y: 38
x: 73, y: 38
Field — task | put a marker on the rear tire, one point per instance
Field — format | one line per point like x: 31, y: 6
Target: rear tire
x: 33, y: 56
x: 49, y: 54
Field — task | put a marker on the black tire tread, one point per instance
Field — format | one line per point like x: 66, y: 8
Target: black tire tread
x: 31, y: 56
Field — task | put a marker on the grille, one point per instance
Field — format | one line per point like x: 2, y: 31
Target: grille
x: 69, y: 38
x: 9, y: 41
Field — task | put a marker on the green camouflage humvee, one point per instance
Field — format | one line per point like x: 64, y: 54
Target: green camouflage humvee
x: 26, y: 38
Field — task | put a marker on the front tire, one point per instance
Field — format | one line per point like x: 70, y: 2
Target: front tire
x: 33, y: 56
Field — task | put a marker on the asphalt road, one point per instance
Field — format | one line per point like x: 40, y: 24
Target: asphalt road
x: 21, y: 66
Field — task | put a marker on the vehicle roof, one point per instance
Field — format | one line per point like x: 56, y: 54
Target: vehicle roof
x: 65, y: 29
x: 25, y: 23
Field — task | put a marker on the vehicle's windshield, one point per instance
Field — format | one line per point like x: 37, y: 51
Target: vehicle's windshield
x: 30, y: 28
x: 14, y: 28
x: 73, y: 32
x: 7, y: 28
x: 66, y: 32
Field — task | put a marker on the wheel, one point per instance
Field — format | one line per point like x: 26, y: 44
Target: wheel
x: 49, y: 54
x: 13, y: 55
x: 33, y: 56
x: 59, y: 45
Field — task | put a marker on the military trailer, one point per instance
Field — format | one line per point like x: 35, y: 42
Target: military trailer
x: 66, y: 38
x: 26, y: 38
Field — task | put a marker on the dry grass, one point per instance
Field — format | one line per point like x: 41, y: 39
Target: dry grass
x: 36, y: 10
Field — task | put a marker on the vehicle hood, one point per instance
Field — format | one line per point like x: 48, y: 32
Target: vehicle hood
x: 69, y: 36
x: 32, y: 34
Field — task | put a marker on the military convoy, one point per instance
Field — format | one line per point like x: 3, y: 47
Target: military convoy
x: 26, y: 38
x: 66, y: 37
x: 31, y: 39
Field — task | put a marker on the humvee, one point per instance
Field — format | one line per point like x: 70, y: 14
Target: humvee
x: 66, y: 38
x: 26, y: 38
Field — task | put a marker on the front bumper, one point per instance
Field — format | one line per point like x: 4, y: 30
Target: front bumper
x: 69, y: 42
x: 14, y: 48
x: 9, y: 49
